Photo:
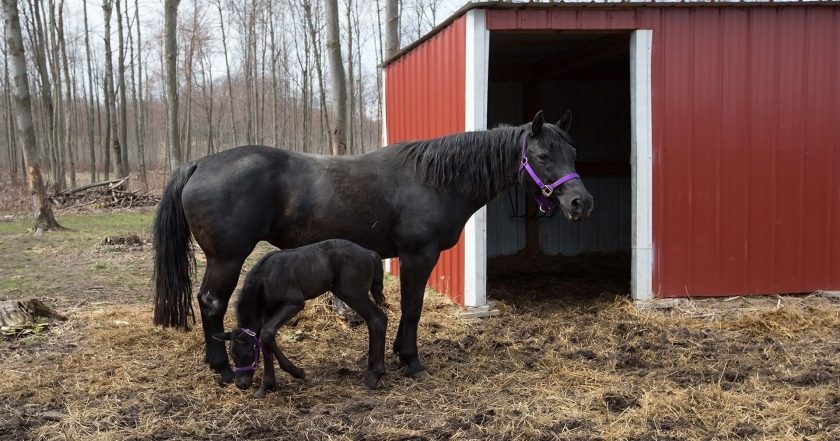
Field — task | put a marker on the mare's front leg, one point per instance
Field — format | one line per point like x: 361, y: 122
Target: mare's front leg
x: 414, y: 274
x: 220, y: 280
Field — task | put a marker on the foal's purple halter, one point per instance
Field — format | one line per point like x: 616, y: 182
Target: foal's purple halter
x: 543, y: 202
x: 258, y: 347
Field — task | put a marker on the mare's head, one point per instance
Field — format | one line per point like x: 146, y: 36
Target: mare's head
x: 245, y: 348
x: 549, y: 151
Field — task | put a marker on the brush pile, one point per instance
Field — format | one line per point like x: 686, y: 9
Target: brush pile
x: 106, y: 194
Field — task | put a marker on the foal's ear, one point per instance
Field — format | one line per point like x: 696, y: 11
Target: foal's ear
x: 565, y: 121
x: 222, y: 336
x: 537, y: 124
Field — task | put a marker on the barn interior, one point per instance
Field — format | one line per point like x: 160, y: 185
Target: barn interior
x: 531, y: 254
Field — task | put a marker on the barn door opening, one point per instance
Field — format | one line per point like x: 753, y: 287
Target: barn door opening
x: 534, y: 255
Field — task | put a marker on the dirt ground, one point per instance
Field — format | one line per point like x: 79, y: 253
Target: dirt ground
x: 568, y: 358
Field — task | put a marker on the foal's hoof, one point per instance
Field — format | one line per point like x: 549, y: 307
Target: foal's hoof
x: 260, y: 393
x: 417, y: 375
x: 298, y: 373
x: 225, y: 377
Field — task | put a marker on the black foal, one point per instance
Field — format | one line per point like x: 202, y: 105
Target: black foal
x: 276, y: 289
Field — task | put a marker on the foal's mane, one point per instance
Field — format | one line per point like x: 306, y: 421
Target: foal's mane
x: 480, y: 164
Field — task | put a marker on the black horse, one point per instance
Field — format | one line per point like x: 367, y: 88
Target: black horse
x: 277, y: 288
x: 409, y: 200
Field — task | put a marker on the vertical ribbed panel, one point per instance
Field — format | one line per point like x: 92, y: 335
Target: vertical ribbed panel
x: 745, y: 137
x: 424, y: 99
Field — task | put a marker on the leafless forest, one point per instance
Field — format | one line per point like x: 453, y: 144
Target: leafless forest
x: 247, y: 71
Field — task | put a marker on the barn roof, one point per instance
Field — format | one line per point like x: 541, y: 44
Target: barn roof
x: 595, y: 4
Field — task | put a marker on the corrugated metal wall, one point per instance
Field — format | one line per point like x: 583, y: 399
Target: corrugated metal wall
x: 746, y: 142
x: 425, y: 95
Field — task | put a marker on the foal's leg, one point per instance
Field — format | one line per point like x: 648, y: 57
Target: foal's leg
x: 414, y: 273
x: 220, y: 279
x: 268, y: 338
x: 356, y: 296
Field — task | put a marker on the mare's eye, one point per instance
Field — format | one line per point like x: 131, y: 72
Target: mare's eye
x: 542, y: 157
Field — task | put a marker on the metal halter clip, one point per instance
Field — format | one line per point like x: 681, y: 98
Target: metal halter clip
x: 524, y: 160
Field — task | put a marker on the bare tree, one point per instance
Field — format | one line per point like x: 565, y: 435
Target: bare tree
x: 111, y: 93
x: 69, y: 112
x: 339, y: 79
x: 137, y: 92
x: 170, y: 25
x: 45, y: 220
x: 310, y: 24
x: 392, y: 28
x: 227, y: 68
x: 122, y: 128
x: 9, y: 119
x: 90, y: 106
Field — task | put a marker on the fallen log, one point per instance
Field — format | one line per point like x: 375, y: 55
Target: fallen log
x: 15, y: 313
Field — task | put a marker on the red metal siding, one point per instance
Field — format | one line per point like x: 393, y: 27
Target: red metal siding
x: 424, y: 98
x: 746, y: 142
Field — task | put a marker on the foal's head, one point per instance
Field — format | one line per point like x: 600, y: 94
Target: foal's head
x: 245, y: 348
x: 551, y: 156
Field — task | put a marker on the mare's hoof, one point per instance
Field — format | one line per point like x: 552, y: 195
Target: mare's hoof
x: 414, y: 369
x: 373, y: 381
x: 417, y: 375
x: 260, y: 394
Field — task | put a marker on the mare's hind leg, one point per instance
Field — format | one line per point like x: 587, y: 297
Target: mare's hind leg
x: 220, y: 280
x: 356, y: 296
x: 414, y: 273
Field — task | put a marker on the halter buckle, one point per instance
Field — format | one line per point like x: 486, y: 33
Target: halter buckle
x: 524, y: 161
x: 546, y: 190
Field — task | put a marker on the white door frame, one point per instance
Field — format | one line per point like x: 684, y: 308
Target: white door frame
x: 475, y: 232
x: 641, y: 160
x: 641, y: 165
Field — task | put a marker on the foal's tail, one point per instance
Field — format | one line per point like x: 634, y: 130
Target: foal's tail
x: 174, y: 259
x: 378, y: 275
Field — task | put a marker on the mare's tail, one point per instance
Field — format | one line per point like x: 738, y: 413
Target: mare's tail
x: 378, y: 275
x: 174, y: 258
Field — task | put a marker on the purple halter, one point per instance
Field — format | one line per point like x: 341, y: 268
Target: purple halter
x: 258, y: 347
x: 543, y: 202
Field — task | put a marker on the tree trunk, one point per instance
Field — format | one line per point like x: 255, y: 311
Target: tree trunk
x: 274, y: 129
x: 70, y: 109
x: 45, y: 220
x: 339, y: 79
x: 137, y: 91
x: 171, y: 54
x: 392, y: 28
x: 91, y: 93
x: 54, y: 59
x: 351, y: 93
x: 111, y: 93
x: 322, y: 95
x: 122, y: 128
x: 9, y: 120
x: 39, y: 46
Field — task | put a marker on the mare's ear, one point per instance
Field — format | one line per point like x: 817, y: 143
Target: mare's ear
x: 537, y: 124
x: 565, y: 121
x: 222, y: 336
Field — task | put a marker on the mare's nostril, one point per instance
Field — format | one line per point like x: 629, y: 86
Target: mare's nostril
x: 577, y: 204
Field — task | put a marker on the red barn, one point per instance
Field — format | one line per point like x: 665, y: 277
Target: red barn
x: 708, y: 133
